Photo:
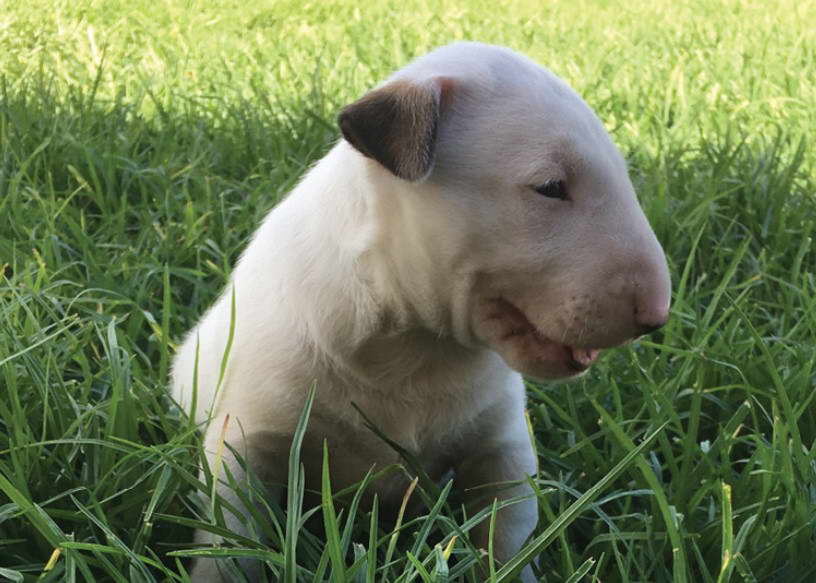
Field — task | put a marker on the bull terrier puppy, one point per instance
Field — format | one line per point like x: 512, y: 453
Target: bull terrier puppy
x: 475, y: 224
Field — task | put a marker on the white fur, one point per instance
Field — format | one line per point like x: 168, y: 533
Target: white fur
x: 395, y: 295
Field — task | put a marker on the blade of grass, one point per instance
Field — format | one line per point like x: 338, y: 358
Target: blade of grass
x: 294, y: 492
x: 332, y: 528
x: 514, y: 566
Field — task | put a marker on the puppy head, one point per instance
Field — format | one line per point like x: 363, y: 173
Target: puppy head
x: 519, y: 205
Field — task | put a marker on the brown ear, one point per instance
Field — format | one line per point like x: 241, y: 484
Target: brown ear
x: 396, y: 126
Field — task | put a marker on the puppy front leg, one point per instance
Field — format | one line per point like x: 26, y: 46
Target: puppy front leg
x: 254, y: 450
x: 482, y: 476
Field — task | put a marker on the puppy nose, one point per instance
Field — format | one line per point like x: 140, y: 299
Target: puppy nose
x: 650, y: 320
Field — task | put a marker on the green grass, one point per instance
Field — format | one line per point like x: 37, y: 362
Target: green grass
x: 140, y: 143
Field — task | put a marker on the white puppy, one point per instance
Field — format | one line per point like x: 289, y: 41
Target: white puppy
x: 475, y: 223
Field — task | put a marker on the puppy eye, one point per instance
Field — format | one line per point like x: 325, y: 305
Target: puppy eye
x: 553, y: 189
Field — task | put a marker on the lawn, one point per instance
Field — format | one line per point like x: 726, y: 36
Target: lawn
x: 141, y: 142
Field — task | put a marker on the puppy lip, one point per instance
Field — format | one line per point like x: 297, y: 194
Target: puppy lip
x: 576, y: 358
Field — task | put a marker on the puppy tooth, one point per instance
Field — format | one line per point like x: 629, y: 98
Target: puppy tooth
x: 585, y: 356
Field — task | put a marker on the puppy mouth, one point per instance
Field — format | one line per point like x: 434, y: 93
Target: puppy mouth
x: 582, y: 358
x: 575, y: 358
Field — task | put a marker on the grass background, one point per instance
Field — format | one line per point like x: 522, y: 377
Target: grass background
x: 140, y: 143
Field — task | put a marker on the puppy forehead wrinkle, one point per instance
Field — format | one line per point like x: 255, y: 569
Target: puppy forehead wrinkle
x: 535, y: 125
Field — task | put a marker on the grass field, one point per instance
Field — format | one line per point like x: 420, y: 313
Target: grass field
x: 140, y: 143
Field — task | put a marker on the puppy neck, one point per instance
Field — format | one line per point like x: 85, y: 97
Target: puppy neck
x: 374, y: 292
